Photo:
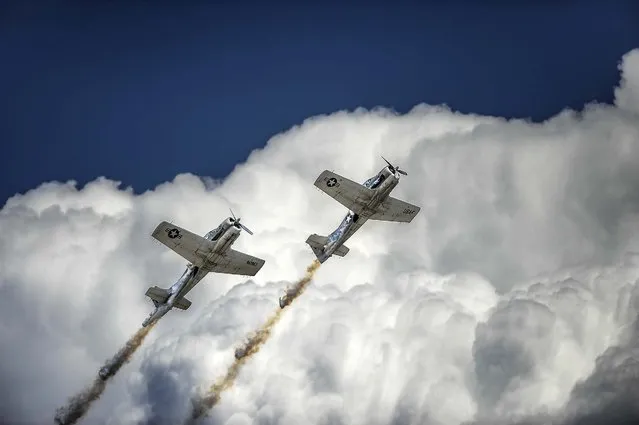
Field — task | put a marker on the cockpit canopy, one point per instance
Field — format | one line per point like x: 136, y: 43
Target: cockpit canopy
x: 375, y: 181
x: 215, y: 234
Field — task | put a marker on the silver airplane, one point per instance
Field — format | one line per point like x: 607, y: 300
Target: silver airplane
x: 368, y: 201
x: 211, y: 253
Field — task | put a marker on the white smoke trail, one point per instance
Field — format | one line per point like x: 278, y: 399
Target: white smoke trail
x: 79, y: 405
x: 255, y: 342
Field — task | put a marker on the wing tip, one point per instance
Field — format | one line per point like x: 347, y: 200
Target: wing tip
x: 156, y: 232
x: 412, y: 217
x: 320, y: 177
x: 162, y: 224
x: 324, y: 175
x: 260, y: 264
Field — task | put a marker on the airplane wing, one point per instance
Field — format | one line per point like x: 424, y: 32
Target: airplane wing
x: 192, y: 247
x: 352, y: 195
x: 395, y: 210
x: 235, y: 262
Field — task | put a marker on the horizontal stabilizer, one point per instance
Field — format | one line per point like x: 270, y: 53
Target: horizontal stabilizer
x: 182, y: 304
x: 157, y: 294
x: 161, y: 296
x: 318, y: 242
x: 341, y: 251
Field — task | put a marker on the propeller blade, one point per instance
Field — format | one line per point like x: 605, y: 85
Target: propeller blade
x: 246, y: 229
x: 236, y: 223
x: 393, y: 168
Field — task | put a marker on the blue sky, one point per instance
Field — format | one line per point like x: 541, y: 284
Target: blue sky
x: 141, y: 92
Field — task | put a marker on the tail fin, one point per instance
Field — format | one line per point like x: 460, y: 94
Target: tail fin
x: 160, y: 296
x: 318, y: 242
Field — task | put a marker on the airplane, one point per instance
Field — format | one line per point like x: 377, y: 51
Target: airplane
x: 211, y: 253
x: 368, y: 201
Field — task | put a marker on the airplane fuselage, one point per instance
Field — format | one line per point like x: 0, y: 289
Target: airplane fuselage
x: 224, y: 236
x: 191, y: 276
x: 224, y: 242
x: 383, y: 184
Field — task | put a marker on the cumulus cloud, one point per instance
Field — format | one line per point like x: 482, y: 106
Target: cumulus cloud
x: 511, y: 297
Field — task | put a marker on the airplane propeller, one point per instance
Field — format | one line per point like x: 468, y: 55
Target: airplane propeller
x: 236, y: 223
x: 394, y: 169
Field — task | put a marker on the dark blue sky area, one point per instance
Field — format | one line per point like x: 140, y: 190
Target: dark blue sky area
x: 139, y: 92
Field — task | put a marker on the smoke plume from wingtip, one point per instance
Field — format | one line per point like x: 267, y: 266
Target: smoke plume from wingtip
x: 79, y: 405
x: 255, y: 342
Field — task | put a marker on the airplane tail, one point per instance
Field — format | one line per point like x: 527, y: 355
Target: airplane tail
x: 161, y: 296
x: 317, y: 243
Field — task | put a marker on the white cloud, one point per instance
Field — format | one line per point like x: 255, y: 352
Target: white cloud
x: 627, y: 94
x: 495, y: 301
